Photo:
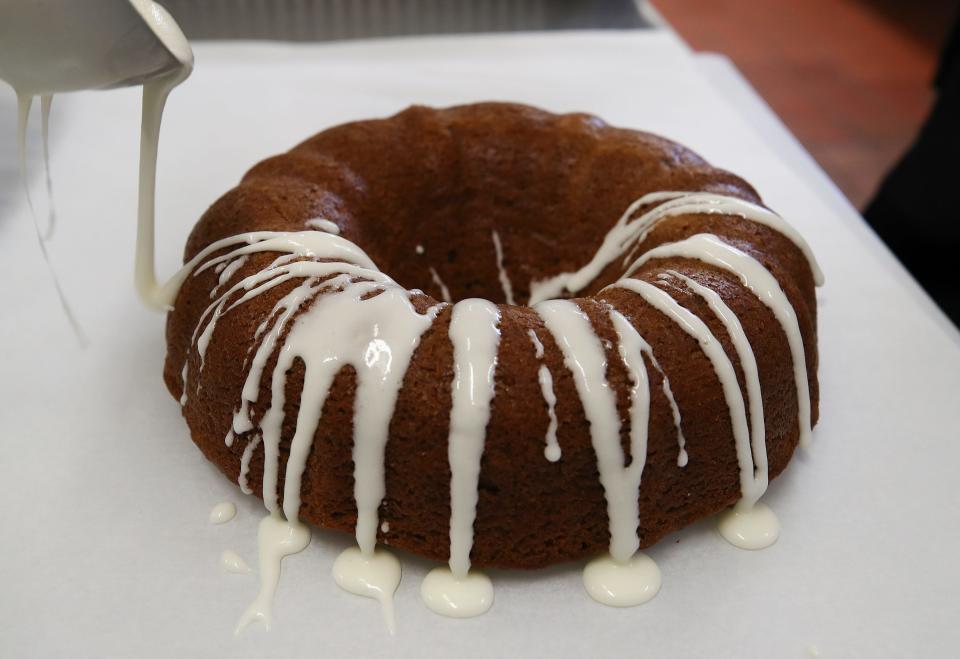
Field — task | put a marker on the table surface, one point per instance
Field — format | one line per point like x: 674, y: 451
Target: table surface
x: 107, y: 551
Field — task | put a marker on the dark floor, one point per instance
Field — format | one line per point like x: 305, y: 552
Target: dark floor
x: 851, y: 78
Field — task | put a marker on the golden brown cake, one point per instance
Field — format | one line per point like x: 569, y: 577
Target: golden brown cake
x: 676, y: 317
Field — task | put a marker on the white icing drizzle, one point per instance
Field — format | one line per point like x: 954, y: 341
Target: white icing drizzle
x: 232, y: 562
x: 620, y: 584
x: 551, y: 451
x: 748, y: 364
x: 245, y: 463
x: 630, y: 231
x: 322, y: 224
x: 377, y: 336
x: 418, y: 249
x: 537, y: 344
x: 585, y: 358
x: 712, y: 250
x: 754, y: 528
x: 385, y: 527
x: 183, y: 382
x: 375, y: 575
x: 475, y: 334
x: 223, y: 512
x: 378, y: 331
x: 453, y: 597
x: 631, y: 347
x: 444, y: 291
x: 458, y: 591
x: 226, y: 270
x: 277, y: 538
x: 682, y: 457
x: 750, y: 487
x: 504, y: 277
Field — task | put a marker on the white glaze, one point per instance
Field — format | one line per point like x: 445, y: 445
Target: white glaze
x: 385, y: 527
x: 501, y: 270
x: 712, y: 250
x: 585, y: 358
x: 276, y: 539
x: 748, y: 364
x: 232, y: 562
x: 376, y: 335
x: 444, y: 291
x: 222, y: 513
x: 756, y: 527
x: 682, y: 457
x: 377, y: 332
x: 552, y: 450
x: 375, y: 575
x: 418, y: 249
x: 457, y: 597
x: 631, y: 231
x: 321, y: 224
x: 245, y: 463
x: 226, y: 270
x: 750, y: 488
x: 622, y: 583
x: 475, y: 335
x: 537, y: 345
x: 632, y: 347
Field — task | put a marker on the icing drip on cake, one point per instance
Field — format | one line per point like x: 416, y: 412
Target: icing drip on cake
x: 748, y: 365
x: 537, y: 344
x: 475, y: 335
x: 504, y: 277
x: 379, y: 332
x: 552, y: 450
x: 321, y: 224
x: 631, y: 231
x: 444, y: 291
x: 712, y: 250
x: 584, y: 356
x: 751, y: 486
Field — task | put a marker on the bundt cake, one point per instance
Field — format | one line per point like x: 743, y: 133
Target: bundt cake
x: 495, y: 336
